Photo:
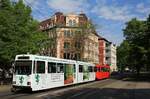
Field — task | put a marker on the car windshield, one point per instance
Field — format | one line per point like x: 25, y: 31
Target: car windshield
x: 23, y: 67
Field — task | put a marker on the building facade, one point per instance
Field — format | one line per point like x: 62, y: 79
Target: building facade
x: 107, y: 53
x: 69, y: 39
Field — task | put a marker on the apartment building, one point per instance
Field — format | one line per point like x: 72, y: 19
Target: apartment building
x: 107, y: 53
x: 69, y: 38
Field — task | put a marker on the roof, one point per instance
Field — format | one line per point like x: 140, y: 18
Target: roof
x: 45, y: 21
x: 101, y: 38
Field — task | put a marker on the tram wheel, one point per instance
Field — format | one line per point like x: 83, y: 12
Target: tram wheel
x: 13, y: 89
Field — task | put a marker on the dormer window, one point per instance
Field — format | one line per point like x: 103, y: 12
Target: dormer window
x: 70, y: 22
x: 74, y: 22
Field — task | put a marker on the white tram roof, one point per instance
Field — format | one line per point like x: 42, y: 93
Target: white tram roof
x: 42, y: 58
x: 47, y: 58
x: 85, y: 63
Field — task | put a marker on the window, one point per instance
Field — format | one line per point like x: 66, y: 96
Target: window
x: 66, y: 45
x: 60, y: 68
x: 23, y: 67
x: 90, y: 68
x: 51, y: 67
x: 68, y: 33
x: 74, y: 22
x: 71, y: 33
x: 103, y: 69
x: 65, y: 55
x: 107, y: 44
x: 95, y: 69
x: 40, y: 67
x: 74, y: 68
x: 70, y: 22
x: 77, y: 56
x: 34, y: 69
x: 24, y: 57
x: 107, y: 50
x: 80, y: 68
x: 78, y: 45
x: 99, y: 69
x: 65, y: 33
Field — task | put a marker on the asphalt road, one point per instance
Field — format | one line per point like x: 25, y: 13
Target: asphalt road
x: 105, y: 89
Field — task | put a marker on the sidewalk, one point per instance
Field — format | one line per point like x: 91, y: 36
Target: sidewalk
x: 4, y: 88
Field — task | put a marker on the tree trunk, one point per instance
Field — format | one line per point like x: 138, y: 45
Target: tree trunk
x: 138, y: 71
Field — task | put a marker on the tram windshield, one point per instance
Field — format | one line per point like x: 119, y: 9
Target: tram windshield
x: 23, y: 67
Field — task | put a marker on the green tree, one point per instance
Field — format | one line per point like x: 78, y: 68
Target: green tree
x: 137, y: 35
x: 19, y: 32
x: 147, y: 43
x: 123, y: 56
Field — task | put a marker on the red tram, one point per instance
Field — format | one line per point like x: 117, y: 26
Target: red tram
x: 102, y: 71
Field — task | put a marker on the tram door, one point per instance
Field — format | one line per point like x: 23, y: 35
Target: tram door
x: 70, y: 74
x: 75, y: 73
x: 39, y: 76
x: 80, y: 73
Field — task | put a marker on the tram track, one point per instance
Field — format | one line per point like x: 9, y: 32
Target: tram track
x: 87, y: 94
x: 91, y: 90
x: 80, y: 90
x: 57, y: 92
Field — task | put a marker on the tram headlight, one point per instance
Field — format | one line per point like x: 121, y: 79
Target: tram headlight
x: 28, y: 83
x: 14, y: 82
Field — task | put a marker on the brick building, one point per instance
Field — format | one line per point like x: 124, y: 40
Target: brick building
x: 107, y: 53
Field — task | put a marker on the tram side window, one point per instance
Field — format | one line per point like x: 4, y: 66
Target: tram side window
x: 90, y: 69
x: 51, y: 67
x: 60, y: 68
x: 104, y: 69
x: 95, y: 69
x: 80, y: 68
x: 40, y: 67
x: 99, y: 69
x: 34, y: 69
x: 74, y: 68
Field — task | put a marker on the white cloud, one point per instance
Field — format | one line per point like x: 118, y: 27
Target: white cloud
x: 112, y: 12
x: 68, y: 5
x: 141, y: 8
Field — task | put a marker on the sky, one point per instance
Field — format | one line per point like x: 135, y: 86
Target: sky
x: 109, y: 16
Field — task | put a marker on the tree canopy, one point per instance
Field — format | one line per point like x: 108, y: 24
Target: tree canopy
x: 19, y: 33
x: 137, y: 37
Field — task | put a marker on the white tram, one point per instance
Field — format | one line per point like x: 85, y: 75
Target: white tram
x: 43, y: 72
